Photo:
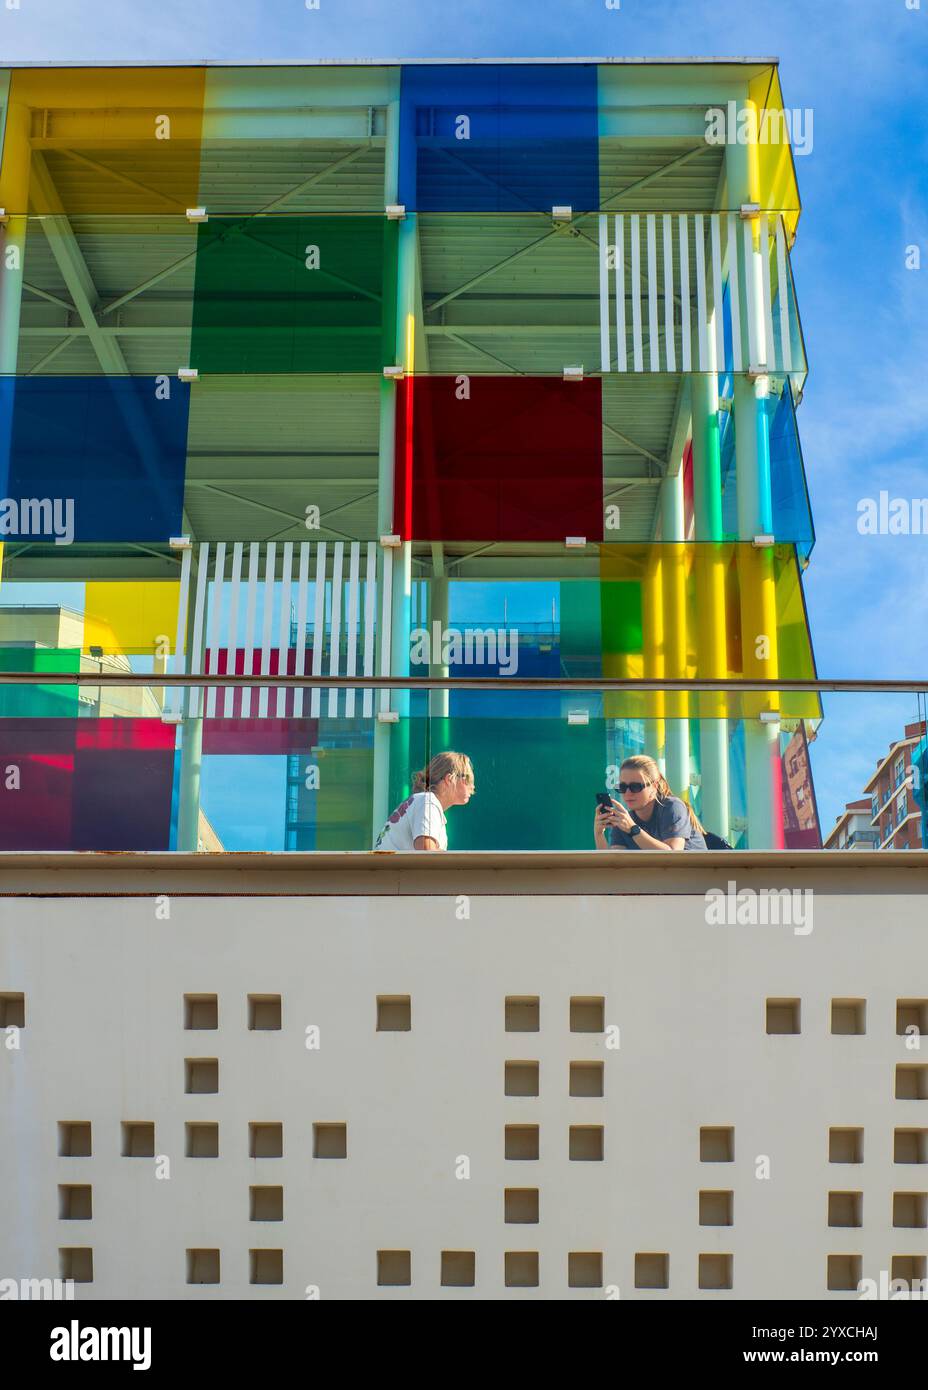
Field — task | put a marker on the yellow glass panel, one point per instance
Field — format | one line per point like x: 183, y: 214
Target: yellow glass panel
x: 134, y: 619
x: 777, y: 190
x: 102, y: 140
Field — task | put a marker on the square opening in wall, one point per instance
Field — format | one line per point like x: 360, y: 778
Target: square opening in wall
x: 266, y: 1204
x: 201, y: 1076
x: 587, y: 1014
x: 911, y: 1016
x: 330, y: 1141
x: 394, y: 1267
x: 74, y: 1139
x: 76, y: 1262
x: 75, y: 1202
x: 138, y: 1139
x: 202, y: 1140
x: 201, y: 1011
x: 267, y: 1266
x: 911, y: 1268
x: 845, y: 1208
x: 849, y: 1016
x: 911, y: 1081
x: 394, y: 1013
x: 458, y: 1269
x: 910, y: 1146
x: 521, y: 1269
x: 264, y: 1017
x: 844, y: 1272
x: 521, y: 1141
x: 783, y: 1016
x: 265, y: 1139
x: 715, y: 1271
x: 523, y: 1013
x: 586, y: 1078
x: 845, y: 1146
x: 586, y: 1143
x: 520, y: 1204
x: 585, y: 1269
x: 202, y: 1266
x: 12, y: 1010
x: 716, y: 1144
x: 910, y: 1209
x: 716, y: 1208
x: 652, y: 1270
x: 521, y: 1079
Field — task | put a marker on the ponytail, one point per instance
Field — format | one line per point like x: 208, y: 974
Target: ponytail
x: 441, y: 766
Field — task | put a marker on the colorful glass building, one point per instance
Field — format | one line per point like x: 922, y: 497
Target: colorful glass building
x: 484, y: 372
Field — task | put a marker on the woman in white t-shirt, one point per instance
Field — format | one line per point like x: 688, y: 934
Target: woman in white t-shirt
x: 419, y: 821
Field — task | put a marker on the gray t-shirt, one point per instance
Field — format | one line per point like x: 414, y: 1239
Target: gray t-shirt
x: 669, y: 818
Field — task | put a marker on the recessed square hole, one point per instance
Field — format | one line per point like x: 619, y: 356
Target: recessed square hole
x: 202, y: 1266
x: 75, y: 1202
x: 76, y: 1262
x: 267, y: 1267
x: 845, y: 1146
x: 264, y: 1016
x: 910, y: 1146
x: 911, y: 1268
x: 74, y: 1139
x: 586, y: 1078
x: 521, y: 1079
x: 394, y: 1013
x: 265, y: 1139
x: 715, y: 1271
x: 12, y: 1010
x: 201, y: 1076
x: 715, y: 1208
x: 783, y: 1016
x: 523, y: 1013
x: 844, y: 1272
x: 521, y: 1269
x: 521, y: 1205
x: 849, y: 1016
x: 458, y: 1269
x: 716, y: 1144
x: 911, y: 1017
x: 587, y: 1014
x: 845, y: 1208
x: 201, y: 1011
x: 910, y: 1209
x: 330, y: 1141
x: 586, y: 1143
x: 138, y: 1139
x: 585, y: 1269
x: 652, y: 1270
x: 521, y: 1141
x: 202, y: 1140
x: 911, y: 1081
x: 266, y: 1204
x: 394, y: 1267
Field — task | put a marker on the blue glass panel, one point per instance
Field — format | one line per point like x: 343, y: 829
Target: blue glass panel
x: 792, y: 515
x: 100, y: 458
x: 499, y: 138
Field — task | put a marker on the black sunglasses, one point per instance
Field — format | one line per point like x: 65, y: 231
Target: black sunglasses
x: 624, y: 787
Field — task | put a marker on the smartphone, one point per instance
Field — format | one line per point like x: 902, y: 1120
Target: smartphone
x: 603, y: 801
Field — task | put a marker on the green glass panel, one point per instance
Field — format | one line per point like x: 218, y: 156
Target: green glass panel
x: 39, y: 701
x: 294, y: 294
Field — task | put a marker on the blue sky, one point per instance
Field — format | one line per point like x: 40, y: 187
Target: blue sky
x: 861, y: 66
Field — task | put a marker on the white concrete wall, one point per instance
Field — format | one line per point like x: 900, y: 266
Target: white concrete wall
x: 104, y: 1041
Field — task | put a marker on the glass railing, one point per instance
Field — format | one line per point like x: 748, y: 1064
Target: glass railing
x: 131, y: 761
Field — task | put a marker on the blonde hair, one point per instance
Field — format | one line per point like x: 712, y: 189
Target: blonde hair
x: 441, y: 766
x: 653, y: 775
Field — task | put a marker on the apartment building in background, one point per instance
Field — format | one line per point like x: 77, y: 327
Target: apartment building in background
x: 895, y: 814
x: 853, y: 829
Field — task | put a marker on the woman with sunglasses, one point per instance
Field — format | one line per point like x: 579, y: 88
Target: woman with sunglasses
x: 655, y: 818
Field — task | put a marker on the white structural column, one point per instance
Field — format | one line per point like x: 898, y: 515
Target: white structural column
x: 755, y: 507
x: 673, y: 571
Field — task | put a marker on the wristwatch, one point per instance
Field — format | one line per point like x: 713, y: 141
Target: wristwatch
x: 635, y: 830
